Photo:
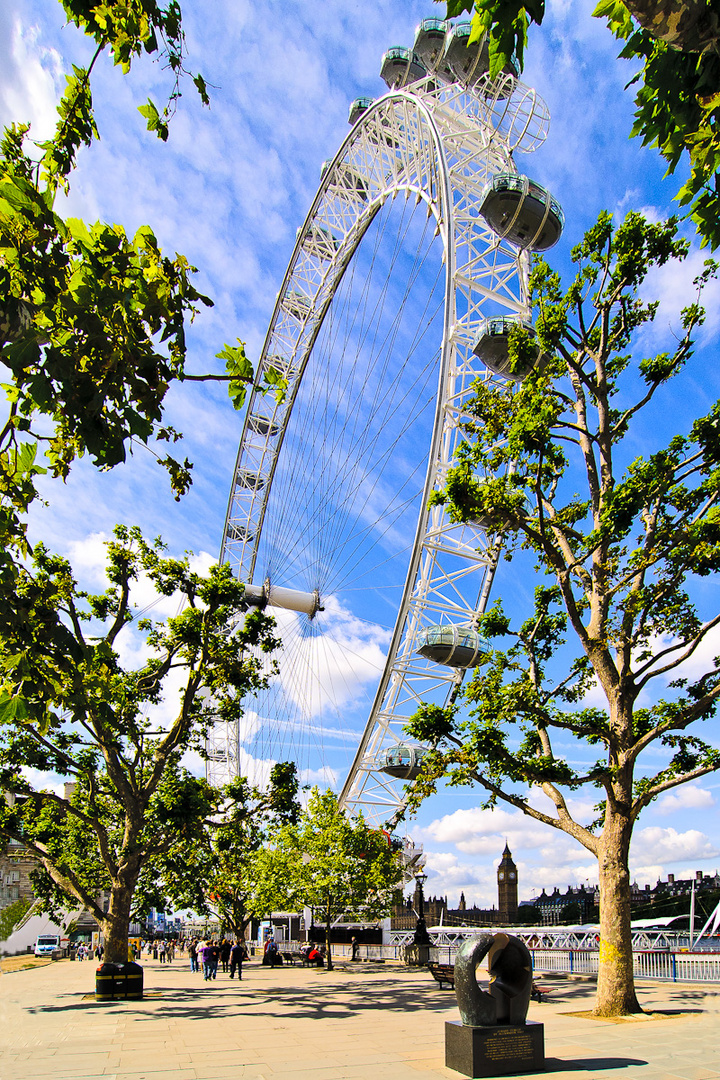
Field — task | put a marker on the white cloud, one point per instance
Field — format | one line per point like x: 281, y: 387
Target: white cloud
x: 672, y: 285
x: 43, y: 781
x: 31, y: 74
x: 328, y: 667
x: 324, y: 777
x: 688, y: 797
x: 655, y: 845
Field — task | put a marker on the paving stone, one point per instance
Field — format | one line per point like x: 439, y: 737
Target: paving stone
x: 292, y: 1024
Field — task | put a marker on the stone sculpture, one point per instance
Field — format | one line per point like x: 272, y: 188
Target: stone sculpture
x: 494, y: 1038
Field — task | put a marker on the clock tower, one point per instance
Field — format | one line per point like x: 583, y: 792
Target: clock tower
x: 507, y: 887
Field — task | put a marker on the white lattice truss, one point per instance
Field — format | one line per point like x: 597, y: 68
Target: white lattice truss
x: 543, y: 937
x: 439, y: 145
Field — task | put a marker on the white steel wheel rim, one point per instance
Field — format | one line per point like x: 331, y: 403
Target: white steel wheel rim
x: 432, y: 143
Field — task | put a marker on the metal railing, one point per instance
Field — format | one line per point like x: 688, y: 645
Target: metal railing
x: 665, y: 966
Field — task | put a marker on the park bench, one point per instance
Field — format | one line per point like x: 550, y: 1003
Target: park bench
x: 541, y: 993
x: 443, y: 973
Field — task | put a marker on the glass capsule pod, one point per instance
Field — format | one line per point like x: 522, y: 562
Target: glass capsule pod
x: 239, y: 532
x: 319, y: 241
x: 429, y: 47
x: 346, y: 182
x: 456, y: 646
x: 467, y: 62
x: 522, y: 211
x: 404, y: 762
x: 217, y: 755
x: 400, y: 67
x: 491, y: 345
x: 357, y: 108
x: 281, y: 364
x: 299, y: 307
x: 249, y: 480
x: 261, y: 425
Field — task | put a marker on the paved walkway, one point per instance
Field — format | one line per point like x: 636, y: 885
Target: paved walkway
x: 359, y: 1022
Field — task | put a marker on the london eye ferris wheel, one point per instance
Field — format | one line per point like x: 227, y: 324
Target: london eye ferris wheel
x: 405, y: 279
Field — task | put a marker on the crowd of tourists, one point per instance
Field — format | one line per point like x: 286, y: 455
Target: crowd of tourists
x: 210, y: 955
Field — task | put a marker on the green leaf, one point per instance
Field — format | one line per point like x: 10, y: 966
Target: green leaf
x: 13, y: 709
x: 154, y: 120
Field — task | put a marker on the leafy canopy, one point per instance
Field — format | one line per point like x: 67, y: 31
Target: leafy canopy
x: 678, y: 85
x: 623, y: 559
x: 70, y: 708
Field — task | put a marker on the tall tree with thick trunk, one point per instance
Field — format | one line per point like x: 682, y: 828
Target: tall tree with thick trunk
x: 70, y: 709
x: 622, y: 542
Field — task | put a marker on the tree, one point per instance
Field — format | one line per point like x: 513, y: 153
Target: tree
x: 92, y: 321
x: 11, y: 915
x: 69, y: 707
x: 678, y: 97
x: 214, y: 877
x: 570, y: 913
x: 330, y: 862
x: 621, y: 568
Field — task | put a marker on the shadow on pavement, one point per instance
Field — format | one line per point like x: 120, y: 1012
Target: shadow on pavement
x: 352, y: 998
x: 573, y: 1064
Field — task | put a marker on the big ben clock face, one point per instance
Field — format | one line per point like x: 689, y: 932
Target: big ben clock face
x: 511, y: 875
x: 501, y: 876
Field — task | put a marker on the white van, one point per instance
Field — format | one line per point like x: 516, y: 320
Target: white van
x: 46, y: 944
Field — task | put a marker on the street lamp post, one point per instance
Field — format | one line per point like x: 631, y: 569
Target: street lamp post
x: 421, y: 938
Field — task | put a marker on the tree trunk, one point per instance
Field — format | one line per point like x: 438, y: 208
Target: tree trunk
x: 116, y: 924
x: 328, y: 947
x: 616, y: 984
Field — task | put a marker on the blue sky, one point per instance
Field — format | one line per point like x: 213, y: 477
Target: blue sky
x: 229, y: 191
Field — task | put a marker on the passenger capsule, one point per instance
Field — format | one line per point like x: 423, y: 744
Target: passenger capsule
x: 357, y: 108
x: 491, y: 346
x: 261, y: 425
x: 248, y: 480
x: 522, y: 211
x: 299, y: 306
x: 278, y: 363
x: 404, y: 762
x: 400, y: 67
x: 319, y: 241
x: 217, y: 755
x: 456, y: 646
x: 430, y: 45
x: 467, y: 62
x: 346, y: 182
x: 239, y: 532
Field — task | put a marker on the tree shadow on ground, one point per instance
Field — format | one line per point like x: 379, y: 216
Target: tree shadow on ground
x: 590, y: 1064
x: 348, y: 999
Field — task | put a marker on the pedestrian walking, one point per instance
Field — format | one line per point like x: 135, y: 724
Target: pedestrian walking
x: 225, y: 949
x: 206, y: 955
x: 238, y: 955
x: 215, y: 957
x: 162, y: 952
x: 192, y: 953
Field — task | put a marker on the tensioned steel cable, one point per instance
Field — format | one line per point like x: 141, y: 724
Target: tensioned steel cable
x: 340, y: 438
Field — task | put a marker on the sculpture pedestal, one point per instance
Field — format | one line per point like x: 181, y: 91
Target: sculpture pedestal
x: 499, y: 1050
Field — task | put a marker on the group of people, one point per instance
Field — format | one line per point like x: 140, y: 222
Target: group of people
x: 211, y: 953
